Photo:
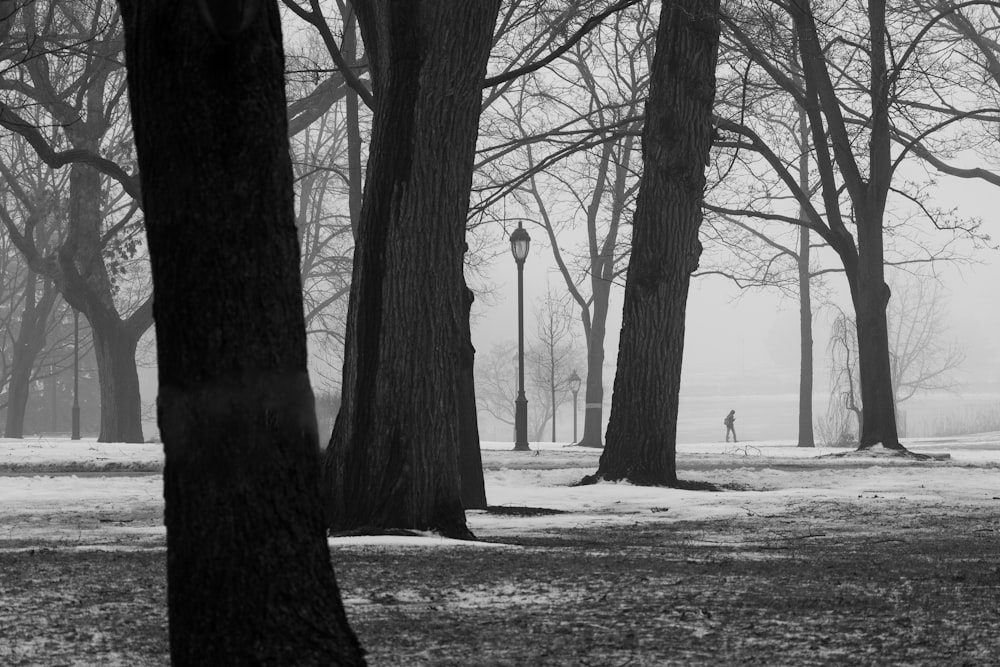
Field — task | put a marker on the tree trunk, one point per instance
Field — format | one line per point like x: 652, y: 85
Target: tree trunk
x: 29, y: 343
x: 249, y: 578
x: 114, y: 348
x: 86, y: 286
x: 355, y: 176
x: 593, y: 411
x: 870, y: 301
x: 642, y: 431
x: 806, y: 437
x: 470, y: 457
x: 393, y: 459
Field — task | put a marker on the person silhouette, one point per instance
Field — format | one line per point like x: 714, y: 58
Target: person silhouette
x: 730, y: 422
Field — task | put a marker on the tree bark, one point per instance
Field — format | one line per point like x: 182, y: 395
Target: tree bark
x: 249, y: 578
x: 642, y: 431
x: 393, y: 459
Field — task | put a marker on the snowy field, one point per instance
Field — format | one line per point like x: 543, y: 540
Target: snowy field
x: 805, y: 557
x: 89, y: 495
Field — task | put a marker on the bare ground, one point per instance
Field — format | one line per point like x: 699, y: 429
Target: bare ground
x: 873, y: 581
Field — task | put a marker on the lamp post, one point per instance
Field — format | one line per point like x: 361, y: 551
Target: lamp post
x: 76, y: 375
x: 519, y: 245
x: 574, y: 386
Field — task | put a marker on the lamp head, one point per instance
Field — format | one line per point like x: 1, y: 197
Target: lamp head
x: 520, y: 243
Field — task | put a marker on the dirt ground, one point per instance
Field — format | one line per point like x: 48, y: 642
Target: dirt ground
x: 873, y: 581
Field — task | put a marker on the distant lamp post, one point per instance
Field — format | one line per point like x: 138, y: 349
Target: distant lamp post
x: 76, y: 375
x: 520, y: 242
x: 574, y: 386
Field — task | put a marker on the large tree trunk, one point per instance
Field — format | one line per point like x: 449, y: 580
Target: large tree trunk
x: 29, y: 343
x: 248, y: 567
x: 394, y: 455
x: 870, y: 301
x: 642, y: 431
x: 114, y: 348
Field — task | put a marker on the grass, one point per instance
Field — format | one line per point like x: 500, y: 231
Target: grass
x: 873, y: 581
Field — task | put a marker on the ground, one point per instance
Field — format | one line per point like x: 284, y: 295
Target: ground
x: 800, y: 560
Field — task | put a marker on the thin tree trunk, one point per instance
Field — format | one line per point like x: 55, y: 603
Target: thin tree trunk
x: 470, y: 457
x: 355, y: 176
x: 806, y: 436
x: 249, y: 579
x: 393, y: 459
x: 29, y: 343
x: 642, y: 431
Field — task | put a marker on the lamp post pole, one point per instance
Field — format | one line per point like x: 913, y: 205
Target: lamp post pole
x: 574, y: 385
x: 76, y: 375
x: 520, y: 242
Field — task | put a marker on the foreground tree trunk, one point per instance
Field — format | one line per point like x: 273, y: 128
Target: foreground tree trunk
x: 248, y: 568
x: 642, y: 432
x: 393, y: 459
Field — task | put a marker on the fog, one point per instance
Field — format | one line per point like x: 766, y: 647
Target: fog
x: 742, y: 346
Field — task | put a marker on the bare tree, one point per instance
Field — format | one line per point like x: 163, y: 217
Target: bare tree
x: 68, y: 74
x: 921, y: 360
x: 677, y: 138
x: 393, y: 459
x: 551, y: 357
x: 859, y: 98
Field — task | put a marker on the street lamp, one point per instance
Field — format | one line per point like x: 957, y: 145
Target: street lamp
x: 574, y: 386
x: 76, y: 375
x: 520, y: 242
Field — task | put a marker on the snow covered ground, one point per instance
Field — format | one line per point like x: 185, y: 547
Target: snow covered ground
x: 113, y: 497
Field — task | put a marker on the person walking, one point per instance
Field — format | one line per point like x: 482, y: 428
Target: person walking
x: 730, y: 422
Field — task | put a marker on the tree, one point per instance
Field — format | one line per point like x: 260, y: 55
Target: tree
x: 496, y: 388
x: 551, y: 357
x: 68, y: 76
x: 247, y: 558
x: 920, y: 360
x: 642, y: 431
x: 866, y: 102
x: 392, y: 461
x: 564, y: 149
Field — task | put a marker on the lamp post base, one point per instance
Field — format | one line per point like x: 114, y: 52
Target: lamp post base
x: 521, y: 425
